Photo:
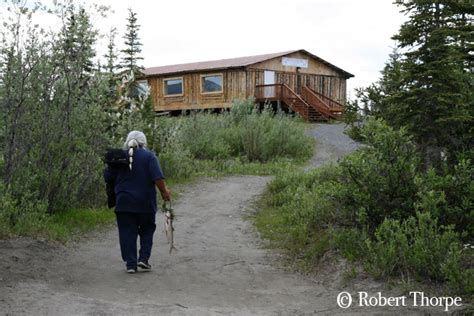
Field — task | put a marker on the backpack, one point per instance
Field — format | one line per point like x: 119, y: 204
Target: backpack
x: 115, y: 159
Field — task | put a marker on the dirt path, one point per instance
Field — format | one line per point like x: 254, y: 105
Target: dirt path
x: 220, y: 268
x: 331, y: 143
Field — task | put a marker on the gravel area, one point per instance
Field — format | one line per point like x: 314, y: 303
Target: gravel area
x: 331, y: 143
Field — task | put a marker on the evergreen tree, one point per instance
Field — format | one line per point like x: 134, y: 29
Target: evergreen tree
x: 51, y: 98
x: 111, y: 55
x: 428, y: 87
x: 131, y: 53
x: 132, y: 106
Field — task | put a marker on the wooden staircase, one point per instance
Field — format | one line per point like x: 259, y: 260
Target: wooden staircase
x: 327, y: 107
x: 311, y: 105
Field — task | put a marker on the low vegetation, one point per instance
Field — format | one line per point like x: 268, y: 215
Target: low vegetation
x: 60, y: 108
x: 378, y: 207
x: 201, y: 144
x: 244, y: 140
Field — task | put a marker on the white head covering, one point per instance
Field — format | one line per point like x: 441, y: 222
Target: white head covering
x: 135, y: 139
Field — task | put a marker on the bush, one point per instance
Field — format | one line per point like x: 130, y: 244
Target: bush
x: 23, y: 215
x: 266, y: 136
x: 417, y: 246
x: 378, y: 206
x: 381, y: 176
x: 450, y: 197
x: 244, y: 133
x: 351, y: 242
x: 177, y: 163
x: 203, y: 135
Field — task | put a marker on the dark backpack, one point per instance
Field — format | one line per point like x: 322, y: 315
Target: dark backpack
x: 115, y: 159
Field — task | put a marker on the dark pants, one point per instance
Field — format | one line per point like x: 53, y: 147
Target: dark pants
x: 130, y: 226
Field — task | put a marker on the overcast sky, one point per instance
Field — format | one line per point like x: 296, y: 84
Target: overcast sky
x: 351, y: 34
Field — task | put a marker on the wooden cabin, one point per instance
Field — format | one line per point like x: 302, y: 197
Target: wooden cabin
x: 297, y: 80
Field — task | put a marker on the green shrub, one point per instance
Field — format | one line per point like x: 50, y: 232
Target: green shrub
x: 351, y: 242
x: 458, y: 269
x: 380, y: 207
x: 381, y: 176
x: 243, y: 133
x: 450, y: 197
x: 417, y: 246
x: 266, y: 135
x: 177, y: 163
x: 24, y: 215
x: 202, y: 135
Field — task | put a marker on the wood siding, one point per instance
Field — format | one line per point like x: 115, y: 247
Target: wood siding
x: 314, y: 66
x: 234, y: 87
x: 240, y: 84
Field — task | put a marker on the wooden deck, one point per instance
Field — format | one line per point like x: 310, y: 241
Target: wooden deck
x: 311, y: 105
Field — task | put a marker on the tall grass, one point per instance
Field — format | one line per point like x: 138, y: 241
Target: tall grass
x: 227, y: 142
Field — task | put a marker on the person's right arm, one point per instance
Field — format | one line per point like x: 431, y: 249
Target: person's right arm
x: 159, y: 178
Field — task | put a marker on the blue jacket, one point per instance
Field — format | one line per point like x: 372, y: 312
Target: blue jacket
x: 135, y: 189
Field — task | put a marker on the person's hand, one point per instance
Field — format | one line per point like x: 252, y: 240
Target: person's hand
x: 166, y: 194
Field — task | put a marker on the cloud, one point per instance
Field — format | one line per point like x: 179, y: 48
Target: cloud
x: 353, y: 35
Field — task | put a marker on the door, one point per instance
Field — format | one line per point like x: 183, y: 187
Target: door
x: 269, y: 78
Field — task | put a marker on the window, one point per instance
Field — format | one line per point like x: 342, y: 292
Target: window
x: 173, y: 86
x: 211, y: 84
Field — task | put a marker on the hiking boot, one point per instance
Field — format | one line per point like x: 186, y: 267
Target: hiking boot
x: 144, y: 265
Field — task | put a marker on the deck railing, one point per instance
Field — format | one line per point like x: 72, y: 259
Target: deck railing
x: 334, y: 106
x: 316, y: 102
x: 281, y: 92
x: 304, y: 104
x: 268, y: 92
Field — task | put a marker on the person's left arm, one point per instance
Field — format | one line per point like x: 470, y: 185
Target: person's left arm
x: 109, y: 175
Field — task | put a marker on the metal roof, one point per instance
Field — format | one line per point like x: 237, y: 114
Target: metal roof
x: 230, y: 63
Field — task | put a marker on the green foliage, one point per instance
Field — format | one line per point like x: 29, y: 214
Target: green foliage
x: 50, y: 100
x: 415, y: 247
x: 21, y: 215
x: 376, y: 206
x: 450, y: 197
x: 381, y: 177
x: 67, y: 225
x: 427, y: 83
x: 28, y: 216
x: 458, y: 270
x: 132, y: 50
x: 204, y: 135
x: 351, y: 242
x: 244, y: 132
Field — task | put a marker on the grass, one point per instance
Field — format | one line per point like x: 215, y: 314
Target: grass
x: 71, y: 224
x: 62, y: 226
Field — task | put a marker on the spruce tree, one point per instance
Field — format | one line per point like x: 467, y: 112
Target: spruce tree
x: 111, y: 55
x: 428, y: 87
x: 131, y: 52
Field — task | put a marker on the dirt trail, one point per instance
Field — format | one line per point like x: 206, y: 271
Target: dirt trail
x: 220, y: 268
x: 331, y: 143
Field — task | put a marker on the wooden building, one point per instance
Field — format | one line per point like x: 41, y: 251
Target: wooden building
x: 299, y: 80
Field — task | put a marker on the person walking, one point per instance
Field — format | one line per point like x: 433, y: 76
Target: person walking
x: 135, y: 200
